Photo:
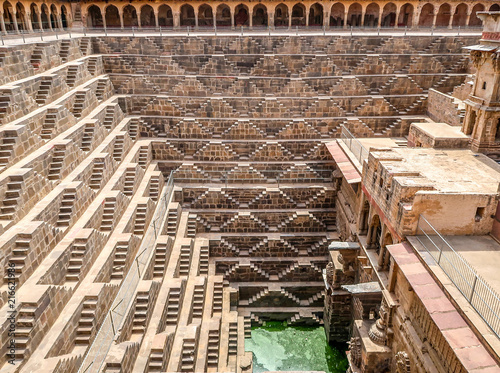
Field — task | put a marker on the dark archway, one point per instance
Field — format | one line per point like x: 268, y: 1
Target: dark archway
x: 223, y: 16
x: 53, y: 16
x: 35, y: 21
x: 316, y: 15
x: 64, y: 17
x: 354, y: 15
x: 187, y: 15
x: 205, y: 15
x: 94, y: 17
x: 460, y: 16
x: 299, y: 15
x: 474, y: 20
x: 495, y: 8
x: 281, y: 16
x: 148, y: 16
x: 8, y: 16
x: 337, y: 15
x: 130, y: 17
x: 165, y: 16
x: 259, y: 15
x: 426, y: 15
x: 21, y: 17
x: 389, y: 15
x: 443, y: 16
x: 112, y: 16
x: 406, y: 16
x: 371, y: 15
x: 241, y: 15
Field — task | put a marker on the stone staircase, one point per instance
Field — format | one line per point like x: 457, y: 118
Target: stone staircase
x: 85, y: 329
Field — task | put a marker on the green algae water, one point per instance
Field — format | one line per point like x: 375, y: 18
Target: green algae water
x: 277, y: 347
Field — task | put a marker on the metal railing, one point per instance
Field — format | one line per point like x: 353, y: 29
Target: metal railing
x: 473, y: 287
x: 45, y: 33
x: 109, y: 328
x: 354, y: 145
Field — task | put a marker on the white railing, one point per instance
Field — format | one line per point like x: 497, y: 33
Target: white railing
x: 473, y: 287
x: 354, y: 145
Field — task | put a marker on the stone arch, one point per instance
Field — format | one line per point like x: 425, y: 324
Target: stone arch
x: 64, y: 16
x: 384, y: 256
x: 44, y: 17
x: 474, y: 20
x: 165, y: 16
x: 281, y: 16
x: 406, y: 15
x: 187, y: 15
x: 112, y: 16
x: 443, y: 16
x: 371, y: 15
x: 426, y: 15
x: 337, y: 14
x: 389, y: 15
x: 316, y: 15
x: 8, y: 16
x: 494, y: 8
x: 354, y: 15
x: 375, y: 233
x: 94, y: 16
x: 147, y: 16
x: 259, y: 15
x: 223, y: 15
x: 241, y: 17
x: 130, y: 16
x: 35, y: 20
x: 53, y: 16
x: 460, y: 16
x: 205, y: 15
x: 21, y: 16
x: 299, y: 15
x: 363, y: 218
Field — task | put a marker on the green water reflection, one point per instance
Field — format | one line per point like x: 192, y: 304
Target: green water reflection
x: 280, y: 348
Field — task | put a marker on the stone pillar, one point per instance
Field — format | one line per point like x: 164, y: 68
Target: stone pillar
x: 434, y: 18
x: 214, y: 15
x: 416, y: 17
x: 139, y: 19
x: 346, y: 14
x: 326, y: 20
x: 380, y: 13
x: 450, y: 24
x: 28, y: 21
x: 120, y: 14
x: 398, y: 11
x: 232, y: 19
x: 196, y: 18
x: 270, y: 20
x: 467, y: 20
x: 250, y: 19
x: 177, y: 19
x: 289, y: 20
x: 104, y: 20
x: 157, y: 24
x: 363, y: 12
x: 14, y: 18
x: 307, y: 18
x: 2, y: 22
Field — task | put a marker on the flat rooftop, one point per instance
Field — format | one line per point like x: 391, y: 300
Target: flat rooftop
x: 452, y: 171
x: 440, y: 130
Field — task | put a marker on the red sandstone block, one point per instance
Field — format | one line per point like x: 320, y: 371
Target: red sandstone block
x: 448, y: 320
x: 420, y: 279
x: 460, y: 338
x: 428, y: 291
x: 475, y: 357
x: 438, y: 305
